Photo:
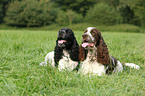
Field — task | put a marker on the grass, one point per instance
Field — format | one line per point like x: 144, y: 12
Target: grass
x: 82, y: 27
x: 23, y: 50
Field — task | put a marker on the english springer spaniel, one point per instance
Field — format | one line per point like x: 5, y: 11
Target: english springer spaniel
x: 94, y: 55
x: 66, y: 53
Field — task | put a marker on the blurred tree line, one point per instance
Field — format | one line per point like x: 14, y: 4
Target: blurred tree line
x: 27, y: 13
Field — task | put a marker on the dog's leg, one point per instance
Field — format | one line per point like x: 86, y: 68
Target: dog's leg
x: 119, y: 67
x: 132, y: 65
x: 49, y: 58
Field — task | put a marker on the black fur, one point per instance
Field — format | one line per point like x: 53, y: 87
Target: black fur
x: 113, y: 63
x: 70, y: 45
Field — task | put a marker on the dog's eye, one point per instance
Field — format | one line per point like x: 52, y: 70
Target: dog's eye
x: 85, y: 31
x: 93, y: 32
x: 67, y: 31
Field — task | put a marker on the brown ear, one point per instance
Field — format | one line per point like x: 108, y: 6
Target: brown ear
x: 82, y: 53
x: 102, y: 51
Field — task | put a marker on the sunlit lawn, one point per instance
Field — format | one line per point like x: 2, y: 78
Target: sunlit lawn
x: 21, y: 51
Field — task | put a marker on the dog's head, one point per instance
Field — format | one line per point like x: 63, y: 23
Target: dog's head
x: 91, y: 38
x: 65, y: 38
x: 66, y: 41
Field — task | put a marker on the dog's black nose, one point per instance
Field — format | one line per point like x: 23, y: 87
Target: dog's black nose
x: 61, y: 33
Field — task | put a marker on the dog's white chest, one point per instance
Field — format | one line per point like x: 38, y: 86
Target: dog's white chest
x: 91, y: 67
x: 66, y: 62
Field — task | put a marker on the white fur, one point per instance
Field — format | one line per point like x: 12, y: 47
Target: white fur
x: 89, y: 32
x: 132, y: 65
x: 49, y: 58
x: 119, y: 67
x: 92, y: 68
x: 64, y: 63
x: 95, y: 68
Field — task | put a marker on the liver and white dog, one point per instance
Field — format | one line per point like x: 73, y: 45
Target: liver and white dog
x: 94, y: 55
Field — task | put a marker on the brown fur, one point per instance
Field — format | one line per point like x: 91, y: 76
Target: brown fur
x: 102, y: 50
x: 103, y: 53
x: 83, y: 53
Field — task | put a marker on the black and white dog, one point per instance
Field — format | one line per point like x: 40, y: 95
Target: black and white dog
x: 66, y: 53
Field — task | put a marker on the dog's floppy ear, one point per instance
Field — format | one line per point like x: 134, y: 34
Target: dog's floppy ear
x: 74, y: 51
x: 103, y: 53
x: 102, y: 50
x: 58, y: 52
x: 82, y: 53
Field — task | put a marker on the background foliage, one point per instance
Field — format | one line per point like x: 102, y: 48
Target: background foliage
x: 67, y: 18
x: 30, y: 13
x: 46, y: 12
x: 96, y: 15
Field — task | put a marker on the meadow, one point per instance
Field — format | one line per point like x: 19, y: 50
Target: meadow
x: 21, y: 51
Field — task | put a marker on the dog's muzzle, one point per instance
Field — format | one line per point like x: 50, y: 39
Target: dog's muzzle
x: 61, y: 34
x: 61, y: 43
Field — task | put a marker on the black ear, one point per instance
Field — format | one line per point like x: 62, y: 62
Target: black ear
x: 74, y: 51
x: 58, y: 52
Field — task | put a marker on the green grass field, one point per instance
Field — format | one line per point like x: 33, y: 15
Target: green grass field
x: 21, y: 51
